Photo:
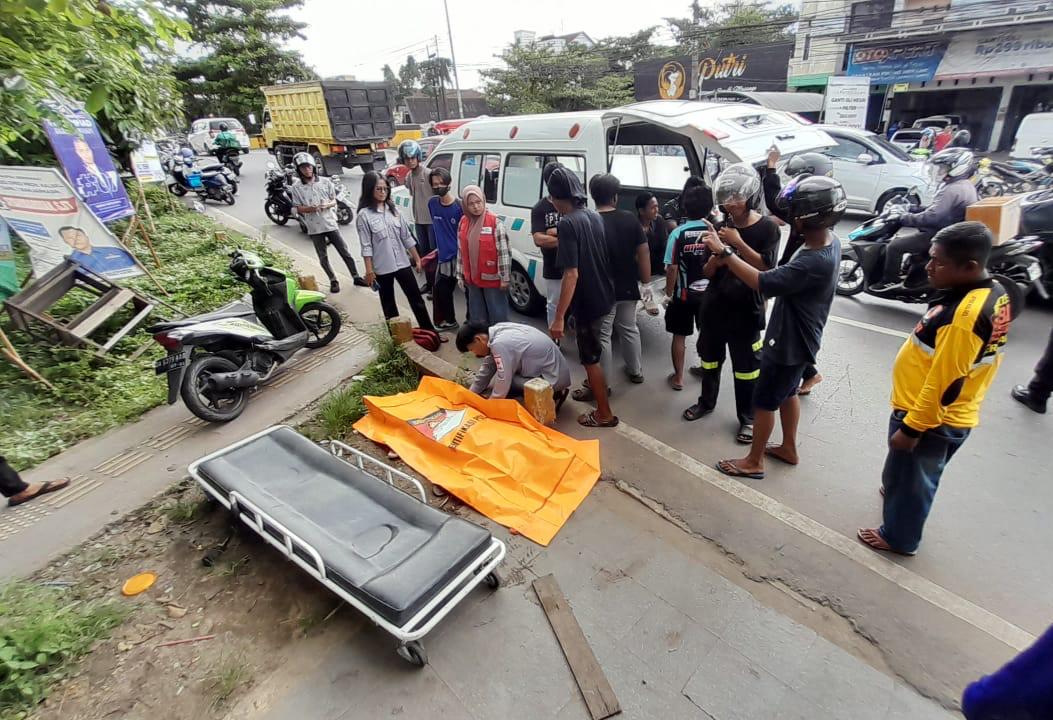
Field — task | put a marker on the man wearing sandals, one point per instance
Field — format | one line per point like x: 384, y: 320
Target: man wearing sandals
x: 514, y: 354
x: 803, y: 289
x: 939, y: 379
x: 586, y: 291
x: 17, y: 491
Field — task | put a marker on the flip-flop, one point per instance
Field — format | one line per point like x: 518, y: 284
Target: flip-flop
x: 673, y: 383
x: 695, y: 412
x: 589, y: 420
x: 768, y: 451
x: 732, y: 470
x: 884, y: 546
x: 46, y: 487
x: 745, y: 435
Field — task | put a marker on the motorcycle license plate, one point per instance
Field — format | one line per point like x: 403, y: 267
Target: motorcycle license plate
x: 169, y: 363
x: 1034, y: 271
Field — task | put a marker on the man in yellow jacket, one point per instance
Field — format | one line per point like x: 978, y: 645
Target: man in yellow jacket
x: 939, y: 379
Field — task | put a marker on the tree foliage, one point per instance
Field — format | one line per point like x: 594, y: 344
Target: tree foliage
x: 112, y: 57
x: 739, y: 22
x: 537, y: 80
x: 241, y: 43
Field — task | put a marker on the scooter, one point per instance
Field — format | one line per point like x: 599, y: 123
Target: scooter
x: 216, y: 359
x: 1036, y: 224
x: 863, y: 263
x: 993, y: 178
x: 208, y: 185
x: 229, y: 158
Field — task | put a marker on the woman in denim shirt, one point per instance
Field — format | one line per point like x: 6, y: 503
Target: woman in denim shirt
x: 388, y: 248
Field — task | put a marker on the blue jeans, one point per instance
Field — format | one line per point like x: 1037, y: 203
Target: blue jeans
x: 487, y: 306
x: 910, y: 480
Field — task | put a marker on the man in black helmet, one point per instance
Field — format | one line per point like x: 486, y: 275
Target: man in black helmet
x: 804, y: 290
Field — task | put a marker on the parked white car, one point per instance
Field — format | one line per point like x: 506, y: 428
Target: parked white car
x: 872, y: 169
x: 204, y: 131
x: 1035, y: 131
x: 907, y: 139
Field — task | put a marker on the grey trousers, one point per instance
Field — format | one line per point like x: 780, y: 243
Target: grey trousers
x: 622, y: 322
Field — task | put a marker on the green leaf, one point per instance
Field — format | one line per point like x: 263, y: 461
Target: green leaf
x: 97, y: 99
x: 58, y: 6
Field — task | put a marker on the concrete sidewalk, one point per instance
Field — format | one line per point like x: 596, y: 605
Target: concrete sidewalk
x: 675, y: 638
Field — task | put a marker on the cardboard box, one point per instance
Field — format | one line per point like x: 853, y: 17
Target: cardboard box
x: 1000, y: 214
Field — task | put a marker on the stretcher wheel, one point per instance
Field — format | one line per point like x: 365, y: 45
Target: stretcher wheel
x: 492, y: 580
x: 413, y: 653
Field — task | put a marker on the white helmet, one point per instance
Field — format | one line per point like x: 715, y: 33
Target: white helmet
x: 302, y: 158
x: 952, y: 163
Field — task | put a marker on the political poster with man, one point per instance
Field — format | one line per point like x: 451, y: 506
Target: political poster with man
x: 83, y: 155
x: 39, y: 205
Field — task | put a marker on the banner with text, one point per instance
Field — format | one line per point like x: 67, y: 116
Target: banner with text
x: 885, y: 64
x: 87, y: 163
x: 146, y: 163
x: 999, y: 51
x: 846, y: 101
x: 745, y: 68
x: 42, y: 208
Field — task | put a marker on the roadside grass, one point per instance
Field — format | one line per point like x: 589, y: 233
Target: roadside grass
x: 95, y: 395
x: 390, y: 373
x: 229, y: 674
x: 182, y: 510
x: 43, y: 632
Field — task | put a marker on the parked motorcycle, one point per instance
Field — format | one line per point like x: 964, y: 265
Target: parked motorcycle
x: 863, y: 263
x: 208, y: 185
x: 994, y: 178
x: 1036, y: 224
x: 216, y: 359
x: 230, y: 159
x: 279, y: 207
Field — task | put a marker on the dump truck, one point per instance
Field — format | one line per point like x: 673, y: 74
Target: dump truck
x: 341, y: 123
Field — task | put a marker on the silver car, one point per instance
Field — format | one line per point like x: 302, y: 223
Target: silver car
x: 872, y: 169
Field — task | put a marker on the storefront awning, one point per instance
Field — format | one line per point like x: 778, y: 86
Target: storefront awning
x: 999, y: 51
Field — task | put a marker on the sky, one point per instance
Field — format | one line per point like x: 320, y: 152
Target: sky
x: 343, y: 40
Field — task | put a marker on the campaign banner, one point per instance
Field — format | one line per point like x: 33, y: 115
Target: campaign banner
x: 999, y: 51
x: 43, y: 209
x: 88, y: 165
x: 8, y: 274
x: 888, y: 64
x: 846, y: 101
x: 146, y: 163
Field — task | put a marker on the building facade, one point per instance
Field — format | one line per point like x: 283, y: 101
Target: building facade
x: 988, y: 61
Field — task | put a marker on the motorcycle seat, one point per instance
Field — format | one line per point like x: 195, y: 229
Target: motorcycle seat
x: 293, y: 342
x: 231, y: 310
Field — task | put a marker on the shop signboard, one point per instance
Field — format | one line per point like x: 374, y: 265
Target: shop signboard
x: 846, y: 101
x: 999, y: 51
x: 43, y: 209
x: 83, y: 155
x: 745, y: 68
x: 8, y: 274
x: 898, y: 63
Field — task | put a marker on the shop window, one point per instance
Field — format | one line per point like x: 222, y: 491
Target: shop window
x: 871, y: 15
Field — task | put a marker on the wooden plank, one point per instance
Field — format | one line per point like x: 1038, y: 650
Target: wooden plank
x: 147, y: 309
x: 102, y: 313
x: 597, y: 692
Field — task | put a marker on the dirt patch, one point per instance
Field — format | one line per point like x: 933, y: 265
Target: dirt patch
x: 247, y: 607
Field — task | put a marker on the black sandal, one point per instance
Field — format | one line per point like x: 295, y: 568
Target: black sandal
x: 696, y: 412
x: 745, y: 435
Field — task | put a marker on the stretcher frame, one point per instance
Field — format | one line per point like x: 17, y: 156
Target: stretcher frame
x: 483, y: 568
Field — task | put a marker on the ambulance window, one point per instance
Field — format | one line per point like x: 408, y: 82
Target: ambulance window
x: 469, y: 172
x: 523, y: 186
x: 445, y: 161
x: 491, y: 172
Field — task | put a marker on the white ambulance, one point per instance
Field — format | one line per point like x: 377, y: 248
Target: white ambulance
x: 653, y: 146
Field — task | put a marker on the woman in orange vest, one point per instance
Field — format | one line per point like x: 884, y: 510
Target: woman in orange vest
x: 484, y: 259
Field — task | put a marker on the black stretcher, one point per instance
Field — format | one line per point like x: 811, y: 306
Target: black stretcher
x: 402, y: 563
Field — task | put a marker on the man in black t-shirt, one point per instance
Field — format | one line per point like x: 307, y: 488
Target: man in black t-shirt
x: 630, y: 265
x: 543, y: 221
x: 586, y: 290
x: 804, y: 290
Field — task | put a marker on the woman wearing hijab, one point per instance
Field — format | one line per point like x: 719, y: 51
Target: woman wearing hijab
x: 484, y: 259
x: 388, y: 249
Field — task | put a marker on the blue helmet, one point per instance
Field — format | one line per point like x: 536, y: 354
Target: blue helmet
x: 410, y: 149
x: 187, y: 154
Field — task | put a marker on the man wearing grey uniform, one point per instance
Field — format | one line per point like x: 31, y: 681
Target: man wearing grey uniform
x: 514, y: 354
x: 315, y: 201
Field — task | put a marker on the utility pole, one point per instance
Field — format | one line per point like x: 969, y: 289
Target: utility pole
x: 453, y: 59
x: 435, y: 78
x: 440, y: 70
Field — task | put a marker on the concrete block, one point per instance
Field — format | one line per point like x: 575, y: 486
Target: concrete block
x: 538, y: 400
x: 401, y: 329
x: 429, y: 363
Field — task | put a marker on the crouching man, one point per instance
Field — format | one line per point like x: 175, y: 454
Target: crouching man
x: 513, y: 355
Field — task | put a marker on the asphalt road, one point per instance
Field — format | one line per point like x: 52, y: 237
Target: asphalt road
x: 989, y: 535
